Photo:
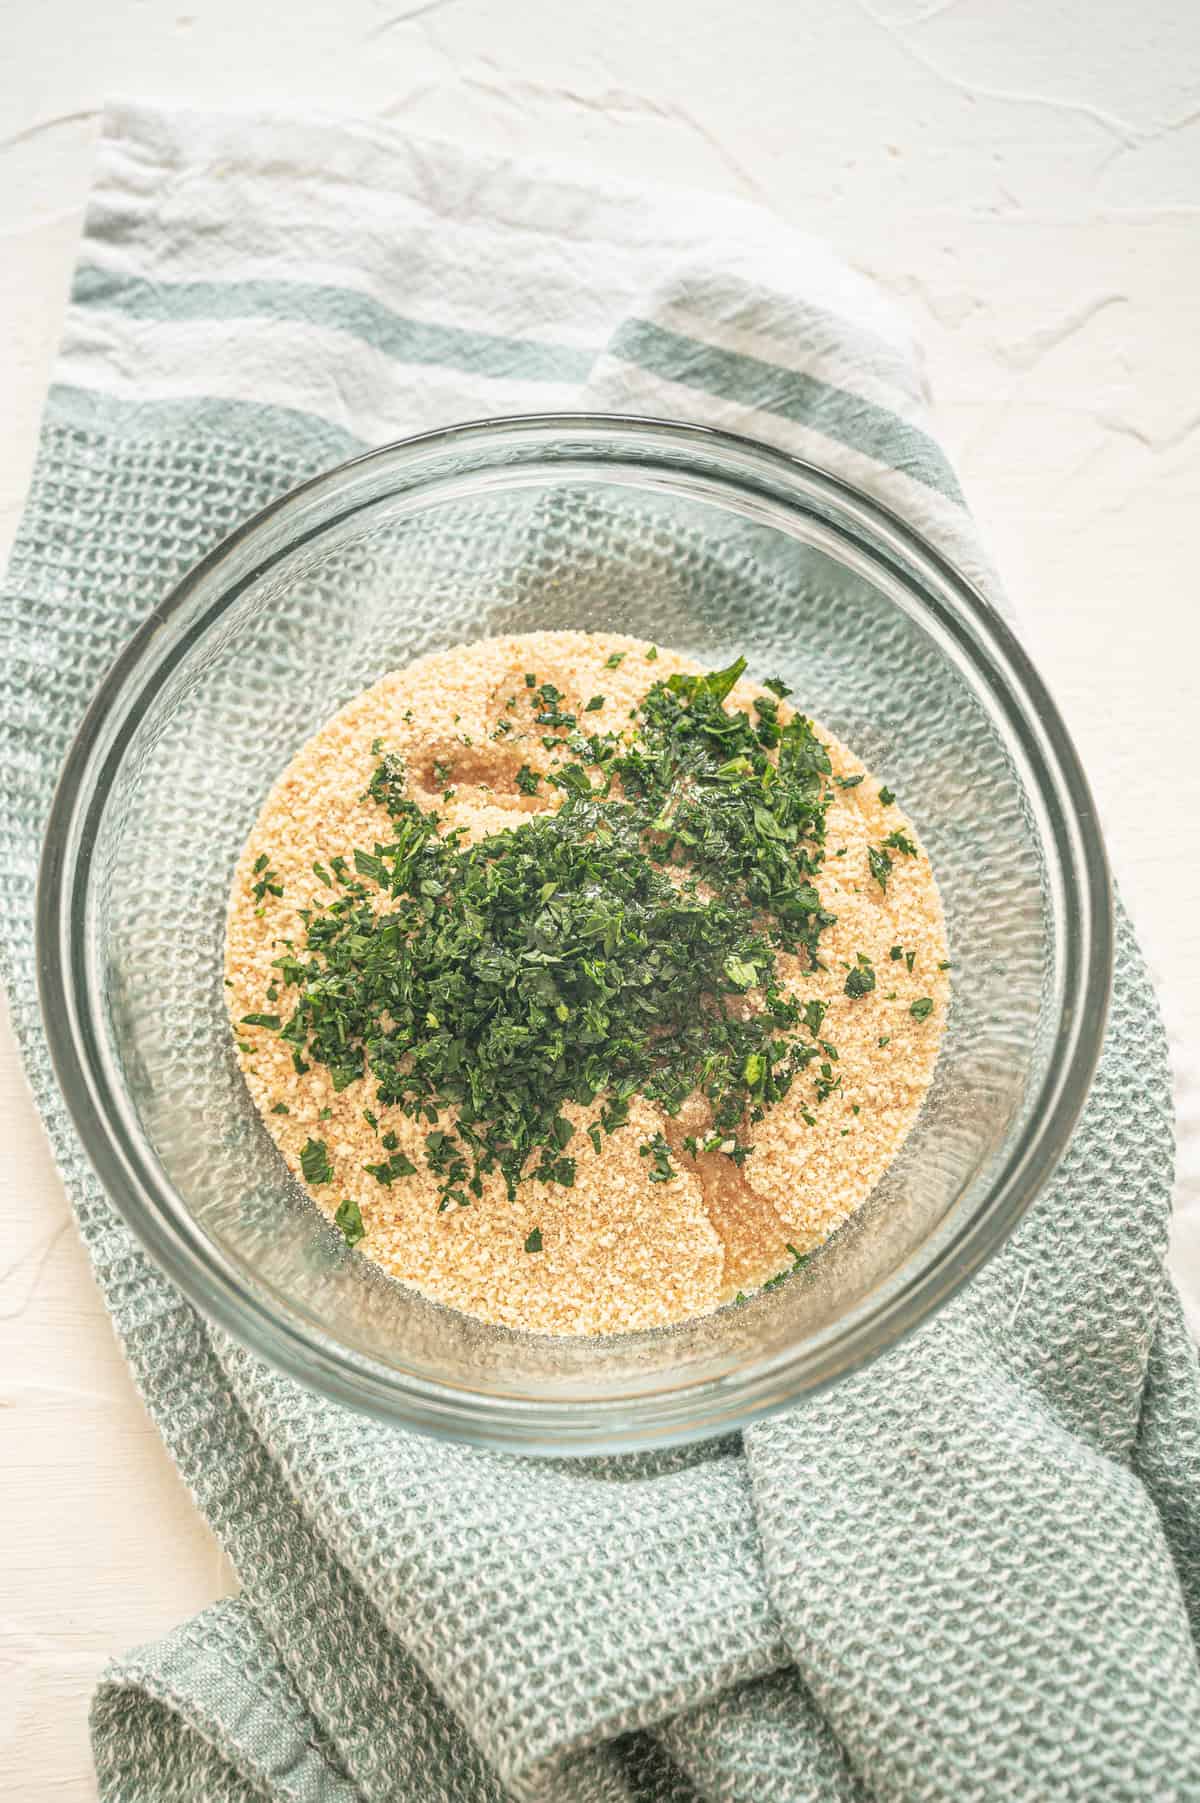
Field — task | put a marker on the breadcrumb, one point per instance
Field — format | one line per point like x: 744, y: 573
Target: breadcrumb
x: 617, y: 1253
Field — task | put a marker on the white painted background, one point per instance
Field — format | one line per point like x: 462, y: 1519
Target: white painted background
x: 1022, y: 175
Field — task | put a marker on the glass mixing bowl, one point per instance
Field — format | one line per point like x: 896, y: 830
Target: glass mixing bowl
x: 678, y: 534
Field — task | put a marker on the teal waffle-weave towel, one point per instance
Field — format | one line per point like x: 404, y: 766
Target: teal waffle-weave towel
x: 971, y: 1571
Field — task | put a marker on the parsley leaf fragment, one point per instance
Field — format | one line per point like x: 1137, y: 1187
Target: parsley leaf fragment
x: 861, y: 980
x: 268, y: 881
x: 799, y: 1260
x: 657, y: 1149
x: 367, y: 864
x: 349, y: 1218
x: 398, y: 1165
x: 584, y: 955
x: 879, y: 864
x: 314, y: 1162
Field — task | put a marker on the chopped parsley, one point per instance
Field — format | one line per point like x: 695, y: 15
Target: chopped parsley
x: 534, y: 1242
x: 261, y: 1020
x: 573, y: 778
x: 349, y: 1219
x: 921, y: 1010
x: 657, y: 1149
x: 280, y: 1108
x: 546, y: 699
x: 398, y: 1165
x: 583, y: 956
x: 594, y: 705
x: 861, y: 980
x: 314, y: 1162
x: 886, y: 797
x: 880, y: 865
x: 899, y: 843
x: 385, y: 786
x: 614, y: 660
x: 268, y: 881
x: 848, y: 782
x: 799, y: 1260
x: 741, y: 974
x: 368, y: 864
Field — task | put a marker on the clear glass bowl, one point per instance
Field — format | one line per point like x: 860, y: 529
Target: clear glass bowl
x: 682, y: 535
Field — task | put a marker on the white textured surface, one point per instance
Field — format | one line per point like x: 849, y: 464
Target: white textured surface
x: 1024, y: 178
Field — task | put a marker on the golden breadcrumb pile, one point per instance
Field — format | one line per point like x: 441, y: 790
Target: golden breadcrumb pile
x: 617, y: 1251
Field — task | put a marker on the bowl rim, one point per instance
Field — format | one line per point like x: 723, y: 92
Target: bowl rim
x: 214, y: 1284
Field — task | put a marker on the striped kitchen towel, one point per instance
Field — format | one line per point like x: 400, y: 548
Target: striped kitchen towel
x: 970, y: 1571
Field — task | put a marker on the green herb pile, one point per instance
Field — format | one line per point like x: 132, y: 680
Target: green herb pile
x: 604, y: 950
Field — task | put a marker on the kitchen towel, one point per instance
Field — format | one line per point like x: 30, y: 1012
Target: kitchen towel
x: 969, y: 1571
